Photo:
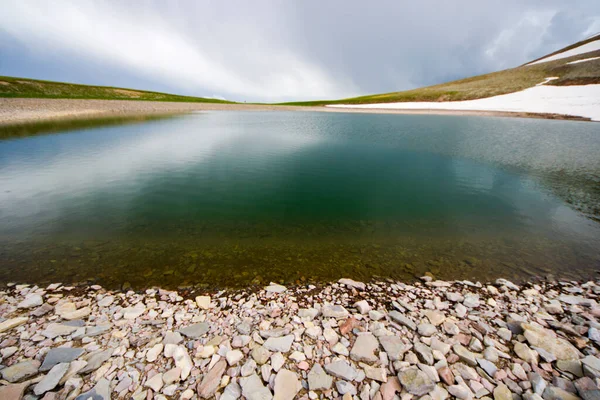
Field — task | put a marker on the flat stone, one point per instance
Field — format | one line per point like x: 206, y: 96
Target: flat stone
x: 260, y: 355
x: 60, y: 355
x: 465, y: 354
x: 183, y: 361
x: 12, y: 323
x: 76, y: 314
x: 555, y: 393
x: 134, y: 312
x: 286, y: 385
x: 154, y: 352
x: 393, y: 346
x: 487, y: 366
x: 547, y: 340
x: 32, y: 300
x: 277, y: 361
x: 525, y: 353
x: 587, y: 389
x: 233, y: 391
x: 346, y: 389
x: 14, y: 391
x: 339, y: 348
x: 352, y: 284
x: 426, y: 329
x: 318, y: 378
x: 308, y: 313
x: 253, y: 388
x: 364, y: 348
x: 281, y: 344
x: 21, y: 370
x: 424, y: 352
x: 106, y: 301
x: 592, y: 363
x: 341, y: 369
x: 572, y: 366
x: 172, y: 338
x: 435, y: 317
x: 92, y: 331
x: 376, y: 315
x: 171, y: 376
x: 334, y: 311
x: 501, y: 392
x: 211, y: 381
x: 155, y: 383
x: 576, y: 300
x: 248, y: 368
x: 454, y: 297
x: 415, y: 381
x: 275, y: 288
x: 505, y: 334
x: 203, y: 302
x: 54, y: 330
x: 99, y: 392
x: 389, y: 389
x: 95, y: 360
x: 195, y: 331
x: 378, y: 374
x: 275, y: 332
x: 362, y: 306
x: 234, y: 356
x: 460, y: 392
x: 51, y: 379
x: 471, y: 301
x: 402, y: 319
x: 42, y: 310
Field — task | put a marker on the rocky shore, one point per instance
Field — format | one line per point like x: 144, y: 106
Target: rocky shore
x: 30, y: 110
x: 381, y: 340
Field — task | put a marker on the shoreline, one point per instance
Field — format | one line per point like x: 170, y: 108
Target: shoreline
x: 378, y: 340
x: 18, y: 111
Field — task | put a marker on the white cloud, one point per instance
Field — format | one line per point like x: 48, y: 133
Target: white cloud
x: 151, y: 46
x: 274, y: 50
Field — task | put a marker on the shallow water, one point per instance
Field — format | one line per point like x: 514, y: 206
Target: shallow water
x: 238, y: 198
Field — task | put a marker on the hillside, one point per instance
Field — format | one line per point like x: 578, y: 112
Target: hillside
x: 23, y: 87
x: 557, y: 64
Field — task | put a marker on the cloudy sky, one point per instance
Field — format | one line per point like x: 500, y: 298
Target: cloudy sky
x: 271, y: 50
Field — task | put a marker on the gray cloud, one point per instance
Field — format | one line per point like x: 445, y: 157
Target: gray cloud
x: 275, y: 51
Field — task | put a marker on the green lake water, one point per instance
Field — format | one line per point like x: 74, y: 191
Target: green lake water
x: 229, y: 198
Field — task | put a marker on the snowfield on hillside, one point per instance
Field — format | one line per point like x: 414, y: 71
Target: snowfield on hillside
x: 585, y: 48
x: 581, y: 101
x: 584, y: 60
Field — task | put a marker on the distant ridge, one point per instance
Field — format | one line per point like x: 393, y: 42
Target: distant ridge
x: 496, y: 83
x: 25, y: 87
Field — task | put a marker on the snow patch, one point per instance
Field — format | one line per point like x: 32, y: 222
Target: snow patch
x: 585, y: 48
x: 584, y: 60
x: 547, y: 80
x: 582, y: 101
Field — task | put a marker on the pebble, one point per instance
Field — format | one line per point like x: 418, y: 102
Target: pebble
x: 60, y: 355
x: 287, y: 385
x: 21, y: 370
x: 437, y: 339
x: 281, y: 344
x: 416, y: 381
x: 318, y: 379
x: 203, y: 302
x: 51, y: 379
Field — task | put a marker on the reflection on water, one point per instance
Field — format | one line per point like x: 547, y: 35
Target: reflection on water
x: 231, y: 198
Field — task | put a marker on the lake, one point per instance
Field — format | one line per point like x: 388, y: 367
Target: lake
x: 229, y: 199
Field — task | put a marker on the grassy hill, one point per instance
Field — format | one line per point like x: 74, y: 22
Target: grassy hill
x: 493, y: 84
x: 23, y: 87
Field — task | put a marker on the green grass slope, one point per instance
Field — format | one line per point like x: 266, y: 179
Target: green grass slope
x: 23, y: 87
x: 493, y: 84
